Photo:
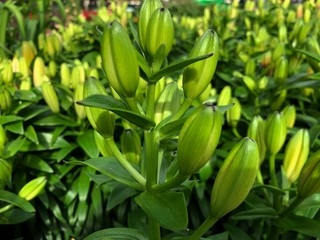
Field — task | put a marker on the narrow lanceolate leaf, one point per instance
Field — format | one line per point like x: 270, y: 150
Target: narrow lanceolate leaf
x: 109, y: 103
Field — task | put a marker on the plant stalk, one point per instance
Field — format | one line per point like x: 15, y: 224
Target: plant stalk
x: 171, y: 183
x: 204, y: 227
x: 151, y: 158
x: 154, y: 229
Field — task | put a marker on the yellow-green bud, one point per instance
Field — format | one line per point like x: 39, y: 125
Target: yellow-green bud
x: 275, y: 132
x: 256, y: 131
x: 6, y: 73
x: 78, y: 76
x: 131, y: 146
x: 249, y: 82
x: 250, y: 68
x: 101, y: 120
x: 160, y: 31
x: 3, y: 138
x: 278, y: 51
x: 235, y: 178
x: 197, y: 76
x: 23, y: 67
x: 225, y: 96
x: 168, y: 102
x: 78, y: 96
x: 28, y: 51
x: 38, y: 71
x: 199, y: 138
x: 147, y: 9
x: 282, y: 33
x: 289, y: 113
x: 65, y: 75
x: 119, y: 60
x: 309, y: 179
x: 5, y: 172
x: 281, y: 71
x: 313, y: 46
x: 296, y: 154
x: 263, y: 82
x: 234, y: 114
x: 33, y: 188
x: 278, y: 99
x: 50, y: 96
x: 5, y: 100
x: 52, y: 68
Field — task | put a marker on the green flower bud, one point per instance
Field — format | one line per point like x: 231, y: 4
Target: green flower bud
x: 289, y: 113
x: 102, y: 121
x: 250, y: 68
x: 5, y: 173
x: 263, y: 82
x: 50, y: 96
x: 160, y: 31
x: 249, y: 82
x: 102, y: 145
x: 38, y: 71
x: 65, y: 75
x: 5, y: 100
x: 234, y: 114
x: 33, y: 188
x: 168, y: 102
x: 256, y: 131
x: 78, y: 96
x: 147, y: 9
x: 3, y: 137
x: 278, y: 99
x: 281, y: 71
x: 275, y: 132
x: 313, y: 46
x: 119, y: 60
x: 225, y: 96
x: 309, y: 179
x: 199, y: 138
x: 6, y: 73
x: 283, y: 34
x: 131, y: 146
x: 197, y: 76
x: 235, y: 178
x: 78, y: 76
x: 52, y: 68
x: 29, y: 51
x: 296, y: 154
x: 278, y: 51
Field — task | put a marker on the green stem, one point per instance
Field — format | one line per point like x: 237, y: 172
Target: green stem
x: 204, y: 227
x: 154, y: 229
x: 272, y: 169
x: 123, y: 161
x: 132, y: 103
x: 183, y: 108
x: 171, y: 183
x: 6, y: 208
x: 150, y: 100
x: 296, y: 202
x: 236, y: 133
x: 151, y: 158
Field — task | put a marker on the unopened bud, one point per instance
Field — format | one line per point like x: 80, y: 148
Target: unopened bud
x: 289, y: 113
x: 33, y: 188
x: 131, y: 146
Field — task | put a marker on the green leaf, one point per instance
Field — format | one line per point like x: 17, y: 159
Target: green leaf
x: 314, y: 132
x: 87, y: 143
x: 315, y: 76
x: 236, y: 233
x: 34, y: 162
x: 15, y: 200
x: 177, y: 66
x: 256, y: 213
x: 26, y: 95
x: 9, y: 119
x: 109, y: 103
x: 83, y: 186
x: 171, y: 129
x: 31, y: 134
x: 308, y: 54
x: 303, y: 84
x: 307, y: 226
x: 56, y: 120
x: 13, y: 147
x: 15, y: 216
x: 117, y: 233
x: 33, y: 111
x: 159, y: 58
x: 112, y: 168
x: 15, y: 127
x: 118, y: 195
x: 168, y: 208
x: 63, y: 152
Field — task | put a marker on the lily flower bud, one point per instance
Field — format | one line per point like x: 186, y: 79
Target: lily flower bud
x: 275, y: 132
x: 289, y: 113
x: 50, y: 96
x: 224, y: 96
x: 197, y: 76
x: 281, y: 71
x: 65, y: 75
x: 101, y: 120
x: 119, y: 60
x: 296, y: 154
x: 235, y: 178
x: 199, y: 138
x: 33, y: 188
x: 234, y: 114
x: 309, y: 179
x: 160, y: 31
x: 131, y: 146
x: 38, y: 71
x: 256, y: 131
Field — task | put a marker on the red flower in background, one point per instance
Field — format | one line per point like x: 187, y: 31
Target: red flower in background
x: 88, y: 14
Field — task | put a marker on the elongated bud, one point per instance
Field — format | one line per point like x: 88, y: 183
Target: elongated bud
x: 197, y: 76
x: 65, y: 75
x: 26, y: 84
x: 6, y: 73
x: 250, y: 68
x: 281, y: 71
x: 119, y: 60
x: 52, y: 68
x: 304, y: 31
x: 3, y: 139
x: 282, y: 33
x: 235, y: 178
x: 78, y: 96
x: 313, y: 46
x: 102, y: 145
x: 160, y: 31
x: 102, y: 121
x: 5, y: 172
x: 168, y: 102
x: 49, y: 47
x: 28, y: 51
x: 199, y: 138
x: 50, y: 96
x: 38, y: 71
x: 289, y: 113
x: 278, y: 99
x: 33, y: 188
x: 78, y: 76
x: 278, y: 51
x: 256, y: 131
x: 23, y: 67
x: 5, y: 100
x: 275, y: 133
x: 234, y: 114
x: 296, y: 154
x: 250, y: 83
x: 131, y: 146
x: 263, y: 82
x: 225, y: 96
x: 309, y: 179
x: 147, y: 8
